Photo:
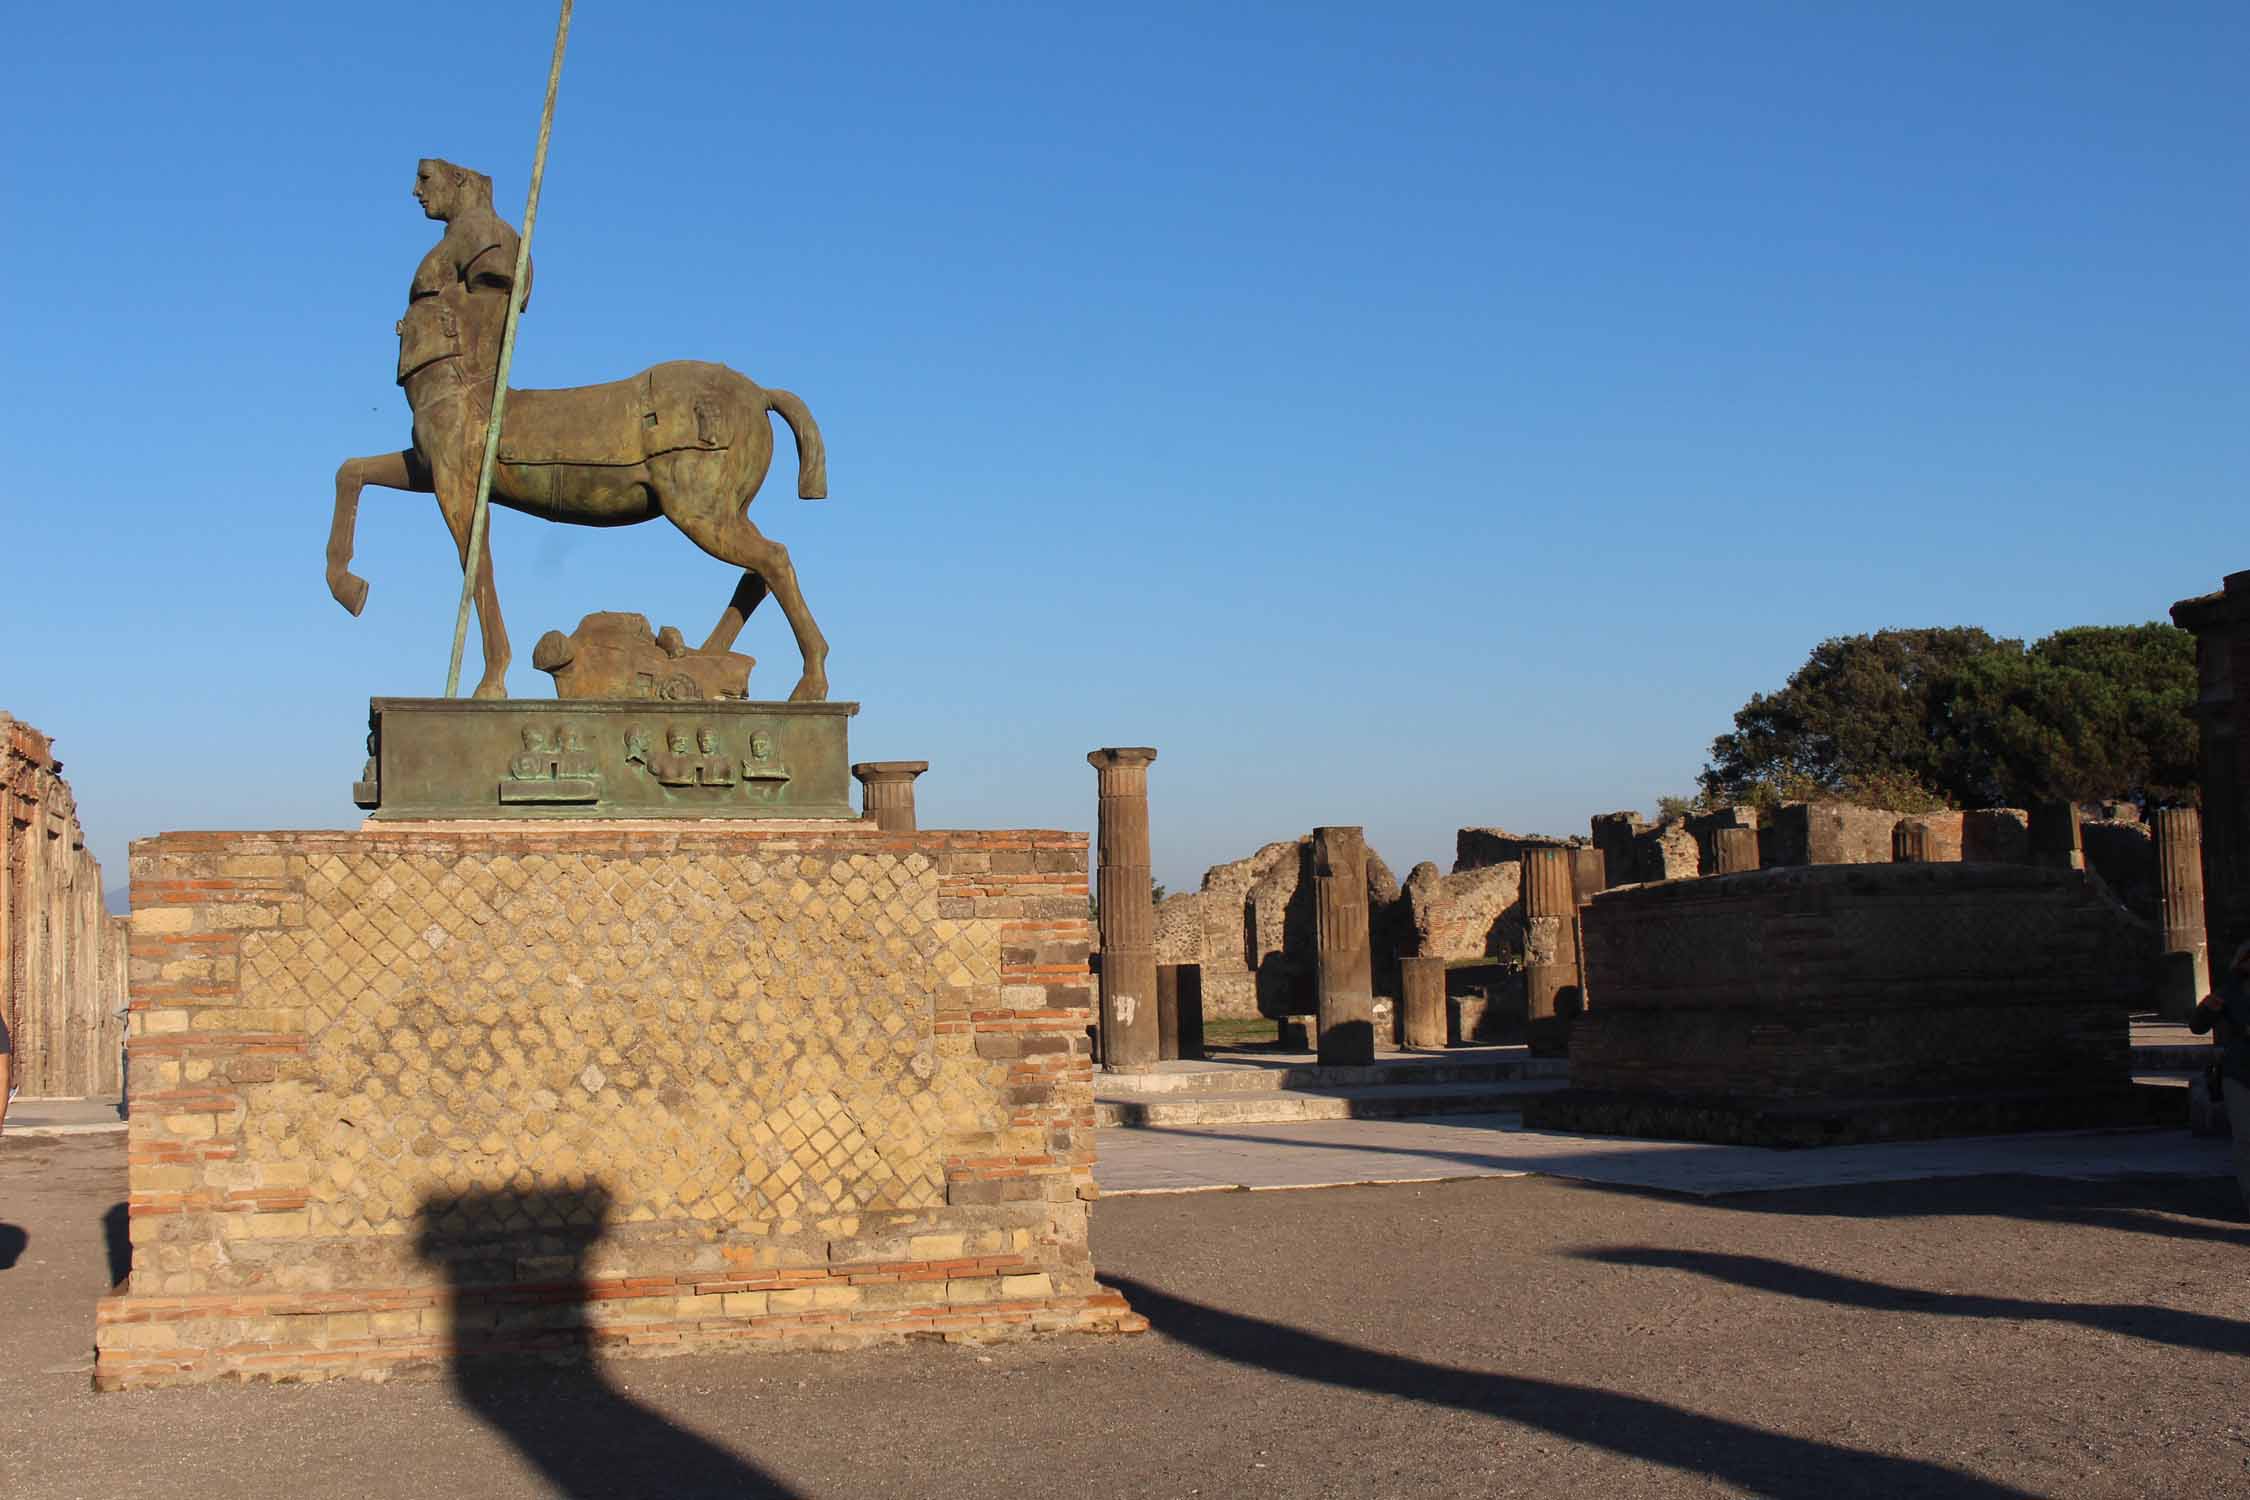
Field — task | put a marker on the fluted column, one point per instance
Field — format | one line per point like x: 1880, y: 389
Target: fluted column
x: 886, y: 792
x: 1550, y: 948
x: 1734, y: 850
x: 1347, y: 983
x: 1910, y: 842
x: 1127, y: 915
x: 2179, y: 883
x: 1423, y: 1003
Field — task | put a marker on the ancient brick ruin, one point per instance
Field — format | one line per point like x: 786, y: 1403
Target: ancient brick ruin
x: 1814, y: 1005
x: 62, y: 956
x: 415, y: 1091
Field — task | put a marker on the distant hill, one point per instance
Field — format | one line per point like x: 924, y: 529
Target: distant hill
x: 119, y: 900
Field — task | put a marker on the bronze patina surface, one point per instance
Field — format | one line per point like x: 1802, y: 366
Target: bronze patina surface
x: 684, y: 440
x: 606, y: 758
x: 614, y: 654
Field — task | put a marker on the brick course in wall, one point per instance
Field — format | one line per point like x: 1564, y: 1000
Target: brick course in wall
x: 417, y: 1091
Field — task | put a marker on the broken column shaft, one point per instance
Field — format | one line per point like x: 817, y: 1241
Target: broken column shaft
x: 1346, y: 966
x: 2179, y: 881
x: 1126, y: 913
x: 1423, y: 980
x: 1550, y: 948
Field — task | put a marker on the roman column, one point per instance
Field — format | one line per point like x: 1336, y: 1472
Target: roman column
x: 1346, y: 966
x: 886, y: 792
x: 2179, y: 882
x: 1127, y: 915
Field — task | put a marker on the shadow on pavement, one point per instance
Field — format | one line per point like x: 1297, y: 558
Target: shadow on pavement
x: 12, y: 1241
x: 2160, y: 1325
x: 530, y: 1374
x: 117, y: 1241
x: 1766, y: 1463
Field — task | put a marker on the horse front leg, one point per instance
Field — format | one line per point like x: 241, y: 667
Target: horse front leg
x: 390, y: 471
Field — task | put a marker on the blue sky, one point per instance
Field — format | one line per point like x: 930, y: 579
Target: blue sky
x: 1415, y: 415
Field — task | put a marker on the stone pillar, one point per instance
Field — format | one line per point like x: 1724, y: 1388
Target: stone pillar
x: 886, y: 792
x: 2055, y: 839
x: 1734, y: 850
x: 1423, y: 980
x: 1615, y: 835
x: 1179, y: 1011
x: 1910, y: 842
x: 1346, y: 966
x: 2179, y: 881
x: 1128, y: 917
x: 1552, y: 996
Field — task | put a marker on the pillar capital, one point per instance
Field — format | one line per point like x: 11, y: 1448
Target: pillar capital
x: 886, y: 792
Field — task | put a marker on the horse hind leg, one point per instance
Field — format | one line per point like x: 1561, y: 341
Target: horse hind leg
x: 748, y: 595
x: 766, y: 568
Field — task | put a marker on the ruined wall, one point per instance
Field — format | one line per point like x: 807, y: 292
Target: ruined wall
x: 1634, y: 852
x: 2122, y: 851
x: 1473, y: 914
x: 1828, y: 833
x: 734, y: 1085
x: 62, y: 956
x: 1848, y: 983
x: 2221, y: 624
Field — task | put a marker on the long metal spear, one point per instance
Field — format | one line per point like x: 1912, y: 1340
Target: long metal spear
x: 507, y: 353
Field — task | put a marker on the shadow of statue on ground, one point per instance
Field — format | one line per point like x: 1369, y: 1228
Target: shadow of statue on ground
x: 524, y: 1351
x: 1755, y: 1459
x: 12, y: 1241
x: 2160, y: 1325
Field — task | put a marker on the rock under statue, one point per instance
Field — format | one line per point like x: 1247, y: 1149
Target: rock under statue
x: 684, y: 440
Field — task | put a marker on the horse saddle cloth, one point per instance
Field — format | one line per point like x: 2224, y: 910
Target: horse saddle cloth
x: 681, y: 405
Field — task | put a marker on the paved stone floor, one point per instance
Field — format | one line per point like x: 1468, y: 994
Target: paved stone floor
x: 1990, y: 1337
x: 1332, y: 1152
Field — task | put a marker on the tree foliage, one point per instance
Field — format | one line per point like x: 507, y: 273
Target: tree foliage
x: 1918, y: 719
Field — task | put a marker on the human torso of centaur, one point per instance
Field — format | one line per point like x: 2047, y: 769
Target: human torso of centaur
x: 457, y: 305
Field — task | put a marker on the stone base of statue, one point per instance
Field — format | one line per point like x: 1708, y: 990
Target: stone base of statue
x: 410, y: 1093
x: 440, y: 758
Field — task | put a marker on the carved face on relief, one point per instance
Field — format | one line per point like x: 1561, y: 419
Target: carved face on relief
x: 678, y: 740
x: 571, y: 740
x: 708, y: 741
x: 761, y: 746
x: 534, y: 740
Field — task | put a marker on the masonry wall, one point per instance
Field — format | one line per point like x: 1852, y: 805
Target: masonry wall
x: 62, y: 956
x: 1858, y: 981
x: 427, y: 1090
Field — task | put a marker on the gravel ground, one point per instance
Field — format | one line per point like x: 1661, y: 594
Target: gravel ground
x: 1984, y: 1337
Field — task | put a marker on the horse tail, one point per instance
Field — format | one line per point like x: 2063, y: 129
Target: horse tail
x: 812, y: 454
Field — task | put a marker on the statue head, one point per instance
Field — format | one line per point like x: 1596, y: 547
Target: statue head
x: 761, y: 746
x: 446, y: 191
x: 708, y: 741
x: 571, y: 739
x: 678, y: 740
x: 533, y: 740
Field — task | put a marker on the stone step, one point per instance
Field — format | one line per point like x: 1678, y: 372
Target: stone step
x: 1273, y: 1107
x: 1225, y: 1075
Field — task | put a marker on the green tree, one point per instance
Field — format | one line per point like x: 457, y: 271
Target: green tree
x: 1916, y: 719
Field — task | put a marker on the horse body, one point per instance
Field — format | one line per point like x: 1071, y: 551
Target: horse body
x: 686, y: 440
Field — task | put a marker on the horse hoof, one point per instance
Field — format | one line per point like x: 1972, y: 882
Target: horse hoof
x: 497, y: 688
x: 351, y: 592
x: 810, y: 689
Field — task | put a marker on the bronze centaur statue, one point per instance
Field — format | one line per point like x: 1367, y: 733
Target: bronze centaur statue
x: 687, y: 441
